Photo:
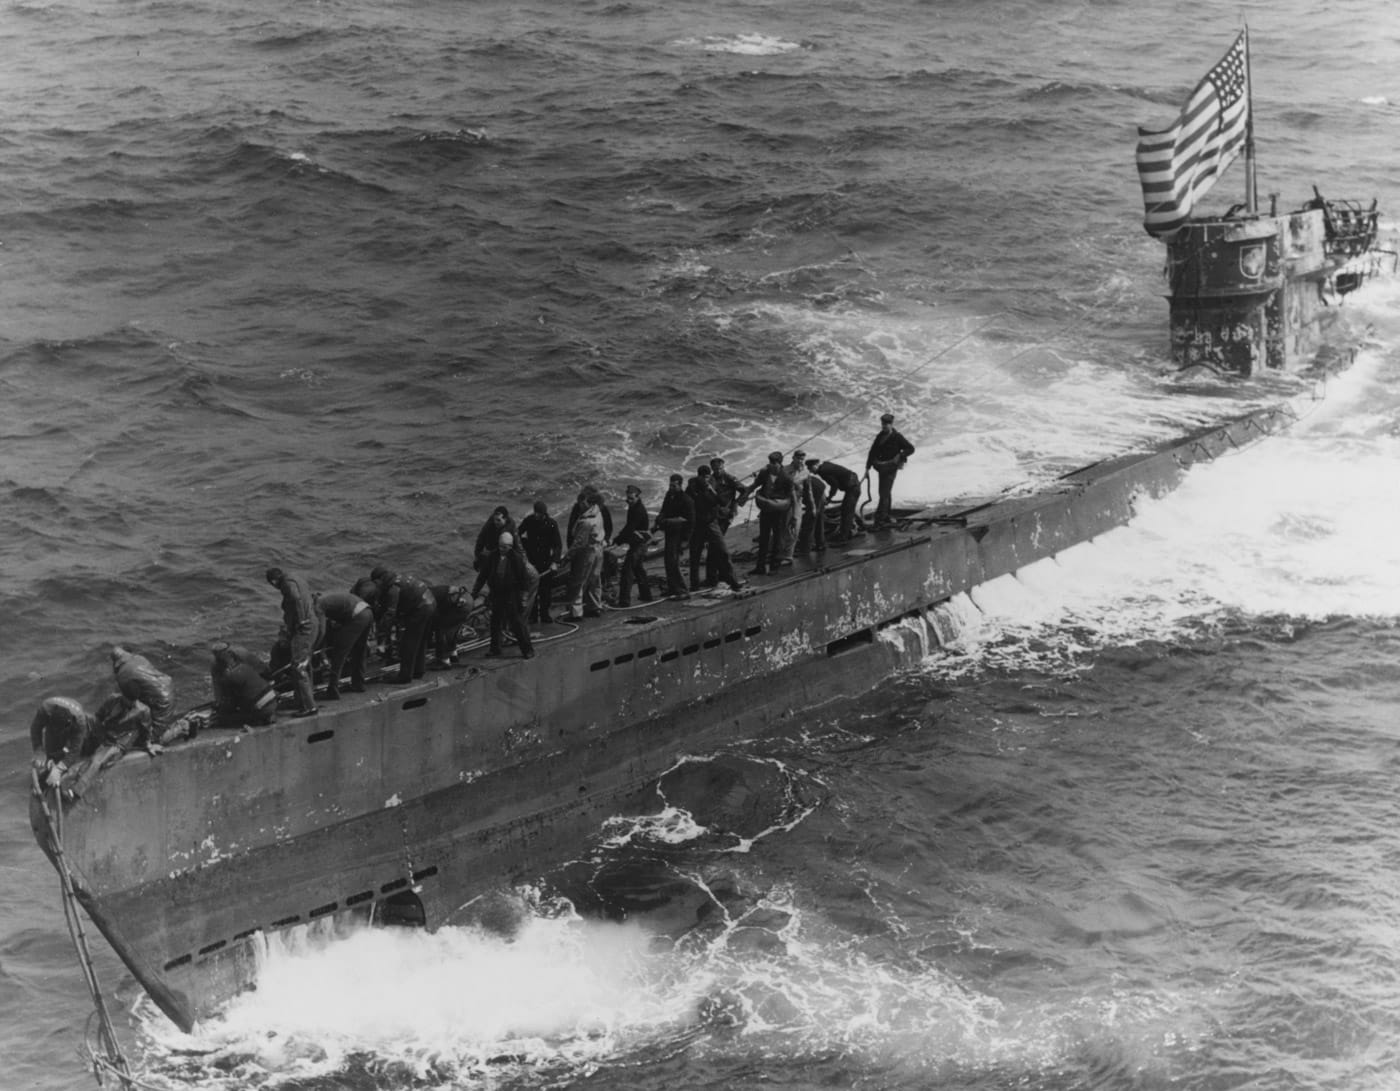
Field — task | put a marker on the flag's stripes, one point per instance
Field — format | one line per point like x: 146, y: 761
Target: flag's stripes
x: 1179, y: 164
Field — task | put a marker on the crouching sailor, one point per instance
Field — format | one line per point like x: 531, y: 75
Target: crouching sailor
x: 139, y: 682
x: 61, y: 734
x: 242, y: 693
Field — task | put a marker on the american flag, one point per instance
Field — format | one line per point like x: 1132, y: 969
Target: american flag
x: 1179, y: 164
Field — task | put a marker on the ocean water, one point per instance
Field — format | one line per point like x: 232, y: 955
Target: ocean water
x: 320, y: 284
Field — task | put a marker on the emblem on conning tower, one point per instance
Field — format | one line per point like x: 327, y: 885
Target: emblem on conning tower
x: 1252, y: 261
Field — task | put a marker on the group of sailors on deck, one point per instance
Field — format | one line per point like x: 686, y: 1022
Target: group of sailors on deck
x: 520, y: 567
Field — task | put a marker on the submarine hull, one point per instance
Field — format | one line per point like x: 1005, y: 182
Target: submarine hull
x: 406, y: 803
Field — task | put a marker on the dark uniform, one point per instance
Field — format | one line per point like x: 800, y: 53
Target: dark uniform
x: 348, y: 620
x: 454, y: 606
x: 707, y: 538
x: 676, y: 519
x: 887, y: 456
x: 409, y: 602
x: 636, y: 535
x: 242, y: 692
x: 730, y: 492
x: 509, y: 581
x: 848, y: 483
x: 544, y: 548
x: 775, y: 499
x: 498, y: 523
x: 303, y: 630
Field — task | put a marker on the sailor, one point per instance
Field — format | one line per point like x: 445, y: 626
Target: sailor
x: 544, y: 548
x: 507, y: 577
x: 61, y: 734
x: 812, y: 534
x: 676, y: 520
x: 347, y: 620
x: 774, y: 497
x: 797, y: 470
x: 498, y: 521
x: 707, y: 538
x: 730, y: 492
x: 702, y: 494
x: 888, y: 453
x: 590, y: 496
x: 839, y: 478
x: 303, y: 632
x: 137, y: 681
x: 243, y: 694
x: 125, y: 724
x: 586, y: 561
x: 453, y: 604
x: 409, y: 604
x: 636, y: 536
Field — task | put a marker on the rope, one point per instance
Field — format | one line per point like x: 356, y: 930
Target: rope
x: 111, y: 1059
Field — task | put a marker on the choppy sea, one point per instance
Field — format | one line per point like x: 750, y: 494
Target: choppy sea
x: 320, y: 284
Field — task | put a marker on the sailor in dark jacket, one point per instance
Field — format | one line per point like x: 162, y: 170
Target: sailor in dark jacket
x: 242, y: 692
x: 302, y: 627
x: 676, y: 519
x: 636, y: 536
x: 509, y: 582
x: 775, y: 497
x: 847, y: 482
x: 347, y: 619
x: 544, y: 548
x: 61, y: 734
x: 706, y: 538
x: 410, y: 603
x: 499, y: 521
x: 454, y: 606
x: 730, y: 492
x: 887, y: 456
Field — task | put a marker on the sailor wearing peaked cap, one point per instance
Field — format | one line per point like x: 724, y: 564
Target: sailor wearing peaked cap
x: 887, y: 456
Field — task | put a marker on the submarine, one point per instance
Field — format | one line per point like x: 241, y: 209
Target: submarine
x: 403, y: 804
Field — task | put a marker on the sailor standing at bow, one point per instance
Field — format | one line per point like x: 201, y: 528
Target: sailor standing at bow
x: 888, y: 453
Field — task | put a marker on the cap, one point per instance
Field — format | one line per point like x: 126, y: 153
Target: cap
x: 813, y: 463
x: 799, y: 454
x: 378, y: 572
x: 703, y: 471
x: 274, y: 575
x: 775, y: 456
x: 887, y: 418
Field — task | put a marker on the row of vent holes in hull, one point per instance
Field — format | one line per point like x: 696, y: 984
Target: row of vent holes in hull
x: 676, y: 653
x: 319, y: 911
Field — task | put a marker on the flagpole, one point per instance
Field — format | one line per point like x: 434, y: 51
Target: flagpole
x: 1251, y: 197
